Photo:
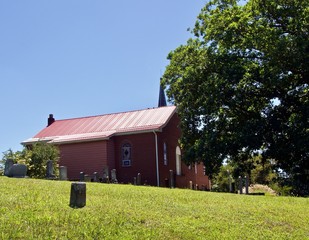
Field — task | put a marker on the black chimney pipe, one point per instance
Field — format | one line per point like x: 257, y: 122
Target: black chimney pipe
x: 50, y: 120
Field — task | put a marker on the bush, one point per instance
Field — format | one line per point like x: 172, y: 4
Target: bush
x: 37, y: 156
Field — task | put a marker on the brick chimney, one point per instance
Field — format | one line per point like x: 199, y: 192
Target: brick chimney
x: 50, y: 120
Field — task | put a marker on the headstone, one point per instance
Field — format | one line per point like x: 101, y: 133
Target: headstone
x: 78, y: 195
x: 172, y: 179
x: 95, y: 177
x: 190, y: 185
x: 134, y: 181
x: 139, y: 179
x: 105, y: 177
x: 18, y: 171
x: 87, y: 178
x: 63, y: 173
x: 240, y: 184
x: 114, y: 176
x: 8, y: 164
x: 49, y: 170
x: 81, y: 176
x: 247, y: 184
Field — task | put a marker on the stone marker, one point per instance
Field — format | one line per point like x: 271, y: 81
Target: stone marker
x: 139, y: 179
x: 8, y: 164
x: 18, y: 171
x: 49, y: 170
x: 190, y: 185
x: 63, y: 173
x: 95, y: 177
x: 87, y: 178
x: 78, y: 195
x: 247, y: 184
x: 240, y: 184
x: 114, y: 176
x: 134, y: 181
x: 172, y: 179
x: 81, y: 176
x: 105, y: 177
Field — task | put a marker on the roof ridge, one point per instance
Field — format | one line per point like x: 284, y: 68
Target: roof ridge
x: 115, y: 113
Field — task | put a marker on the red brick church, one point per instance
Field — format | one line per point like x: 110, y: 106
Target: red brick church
x: 143, y: 141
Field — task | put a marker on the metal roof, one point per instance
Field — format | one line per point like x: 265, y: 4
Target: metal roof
x: 104, y: 126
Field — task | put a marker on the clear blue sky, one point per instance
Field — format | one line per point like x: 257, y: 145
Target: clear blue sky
x: 76, y: 58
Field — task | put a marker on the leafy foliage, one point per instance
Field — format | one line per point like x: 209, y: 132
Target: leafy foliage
x: 241, y: 86
x: 35, y: 158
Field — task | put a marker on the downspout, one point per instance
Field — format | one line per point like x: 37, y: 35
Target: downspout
x: 157, y: 159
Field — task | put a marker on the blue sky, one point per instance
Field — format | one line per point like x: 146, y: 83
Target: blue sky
x: 77, y: 58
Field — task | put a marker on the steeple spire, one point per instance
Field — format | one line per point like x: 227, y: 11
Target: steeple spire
x: 162, y: 100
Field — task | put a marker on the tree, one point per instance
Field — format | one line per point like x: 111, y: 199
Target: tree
x: 37, y: 156
x: 241, y: 86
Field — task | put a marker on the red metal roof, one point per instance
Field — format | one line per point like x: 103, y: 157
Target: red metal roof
x: 104, y: 126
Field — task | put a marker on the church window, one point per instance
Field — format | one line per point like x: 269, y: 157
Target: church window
x: 126, y: 155
x: 165, y: 153
x: 178, y: 161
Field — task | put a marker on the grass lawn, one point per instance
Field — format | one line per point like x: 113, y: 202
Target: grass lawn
x: 39, y: 209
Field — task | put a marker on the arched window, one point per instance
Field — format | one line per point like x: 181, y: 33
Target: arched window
x: 178, y: 161
x: 165, y: 153
x: 126, y: 155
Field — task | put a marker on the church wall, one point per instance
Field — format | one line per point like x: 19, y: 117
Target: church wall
x: 87, y: 157
x: 170, y: 135
x: 142, y: 158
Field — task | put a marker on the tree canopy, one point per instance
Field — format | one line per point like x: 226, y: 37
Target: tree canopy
x: 241, y: 85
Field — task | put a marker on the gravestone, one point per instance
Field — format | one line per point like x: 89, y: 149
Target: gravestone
x: 49, y: 170
x: 105, y: 177
x: 87, y: 178
x: 114, y: 176
x: 8, y: 164
x: 240, y: 184
x: 172, y: 183
x: 190, y: 185
x: 18, y: 171
x: 81, y: 176
x: 139, y: 179
x: 78, y: 195
x: 95, y: 177
x: 63, y: 173
x: 247, y: 184
x: 134, y: 181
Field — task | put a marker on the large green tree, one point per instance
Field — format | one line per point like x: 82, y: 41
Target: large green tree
x: 241, y: 85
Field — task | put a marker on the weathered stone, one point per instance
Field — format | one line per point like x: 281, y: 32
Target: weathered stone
x: 81, y: 176
x: 247, y: 184
x: 240, y: 184
x: 139, y: 179
x: 8, y: 164
x: 87, y: 178
x: 18, y: 171
x: 134, y: 181
x: 49, y: 170
x: 95, y: 177
x: 78, y: 195
x: 105, y: 177
x: 63, y: 173
x: 114, y: 176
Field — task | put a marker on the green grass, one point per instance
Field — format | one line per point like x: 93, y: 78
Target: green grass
x: 39, y: 209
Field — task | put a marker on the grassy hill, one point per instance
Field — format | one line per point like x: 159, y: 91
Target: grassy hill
x: 39, y: 209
